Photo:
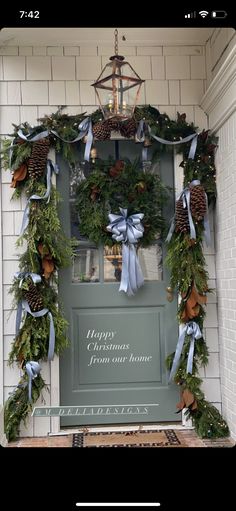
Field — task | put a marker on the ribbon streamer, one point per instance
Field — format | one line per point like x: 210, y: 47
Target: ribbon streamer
x: 51, y: 166
x: 192, y: 137
x: 191, y: 328
x: 85, y: 129
x: 24, y: 306
x: 32, y: 369
x: 140, y: 135
x: 128, y: 230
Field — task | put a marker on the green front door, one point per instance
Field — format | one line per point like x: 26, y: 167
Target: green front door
x: 114, y: 369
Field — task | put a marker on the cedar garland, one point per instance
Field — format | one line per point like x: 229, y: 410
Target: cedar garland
x: 48, y: 250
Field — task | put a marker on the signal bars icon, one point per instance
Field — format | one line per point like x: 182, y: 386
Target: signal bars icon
x: 190, y: 15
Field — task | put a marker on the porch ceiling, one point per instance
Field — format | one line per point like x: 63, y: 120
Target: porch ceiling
x: 95, y: 36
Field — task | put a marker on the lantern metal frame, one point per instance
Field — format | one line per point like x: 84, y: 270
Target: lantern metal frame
x: 119, y: 83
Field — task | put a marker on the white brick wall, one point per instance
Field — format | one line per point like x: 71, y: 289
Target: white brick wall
x: 226, y: 266
x: 35, y: 80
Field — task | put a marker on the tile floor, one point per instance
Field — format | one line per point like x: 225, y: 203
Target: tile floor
x: 188, y: 438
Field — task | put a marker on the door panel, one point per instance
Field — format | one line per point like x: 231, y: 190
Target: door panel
x: 115, y: 365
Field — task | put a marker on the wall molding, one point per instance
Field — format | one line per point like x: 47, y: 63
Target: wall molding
x: 219, y: 101
x: 1, y: 302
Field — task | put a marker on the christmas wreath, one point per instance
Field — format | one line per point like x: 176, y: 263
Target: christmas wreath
x: 120, y: 184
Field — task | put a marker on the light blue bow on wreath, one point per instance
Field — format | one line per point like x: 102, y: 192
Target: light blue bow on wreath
x: 24, y: 306
x: 185, y: 196
x: 191, y: 328
x: 33, y: 369
x: 128, y: 230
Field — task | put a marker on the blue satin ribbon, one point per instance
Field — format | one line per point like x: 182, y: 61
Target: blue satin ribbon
x: 85, y: 129
x: 24, y: 306
x: 51, y: 166
x: 25, y: 274
x: 128, y: 230
x: 191, y: 328
x: 32, y: 369
x: 140, y: 135
x: 192, y: 137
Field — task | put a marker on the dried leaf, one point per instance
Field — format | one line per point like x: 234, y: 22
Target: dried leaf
x: 19, y: 175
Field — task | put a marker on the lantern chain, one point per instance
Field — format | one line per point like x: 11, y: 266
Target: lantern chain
x: 116, y: 42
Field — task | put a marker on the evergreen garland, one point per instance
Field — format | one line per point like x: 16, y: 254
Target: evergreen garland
x: 49, y: 250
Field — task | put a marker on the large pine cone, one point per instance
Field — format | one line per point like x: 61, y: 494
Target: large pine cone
x: 198, y: 204
x: 101, y: 131
x: 38, y: 158
x: 113, y: 124
x: 33, y: 297
x: 128, y: 128
x: 181, y: 217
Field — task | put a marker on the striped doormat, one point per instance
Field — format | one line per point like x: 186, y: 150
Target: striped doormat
x: 148, y: 438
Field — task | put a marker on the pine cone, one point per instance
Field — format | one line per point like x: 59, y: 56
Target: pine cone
x: 101, y: 131
x: 38, y: 158
x: 128, y: 128
x: 113, y: 124
x: 197, y: 202
x: 181, y: 217
x: 33, y: 297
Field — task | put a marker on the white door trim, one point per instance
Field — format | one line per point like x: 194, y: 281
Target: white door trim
x: 219, y: 101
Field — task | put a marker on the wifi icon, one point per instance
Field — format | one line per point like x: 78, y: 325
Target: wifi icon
x: 203, y: 14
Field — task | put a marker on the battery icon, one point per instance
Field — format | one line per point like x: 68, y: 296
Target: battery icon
x: 218, y: 14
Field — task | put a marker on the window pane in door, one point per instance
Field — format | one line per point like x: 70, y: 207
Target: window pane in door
x: 85, y: 265
x: 150, y: 260
x: 112, y: 263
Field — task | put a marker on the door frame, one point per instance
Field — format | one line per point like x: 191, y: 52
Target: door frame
x: 54, y: 373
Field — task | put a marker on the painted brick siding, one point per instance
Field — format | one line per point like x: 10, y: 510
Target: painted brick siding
x: 226, y: 266
x: 34, y: 82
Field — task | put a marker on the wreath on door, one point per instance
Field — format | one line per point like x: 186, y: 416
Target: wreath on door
x: 40, y: 323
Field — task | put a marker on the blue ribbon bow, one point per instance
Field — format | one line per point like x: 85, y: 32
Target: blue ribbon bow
x: 191, y: 328
x: 128, y: 230
x: 25, y: 274
x: 32, y: 369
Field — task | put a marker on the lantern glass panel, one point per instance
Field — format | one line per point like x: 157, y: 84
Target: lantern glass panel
x: 117, y: 89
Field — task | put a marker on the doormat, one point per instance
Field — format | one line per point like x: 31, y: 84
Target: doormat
x: 160, y: 438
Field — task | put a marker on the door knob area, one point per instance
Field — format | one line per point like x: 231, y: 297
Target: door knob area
x: 170, y: 294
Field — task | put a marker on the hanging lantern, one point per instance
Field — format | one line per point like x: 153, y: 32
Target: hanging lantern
x: 122, y: 85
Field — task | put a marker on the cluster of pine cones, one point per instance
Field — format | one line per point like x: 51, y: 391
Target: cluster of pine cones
x: 198, y: 206
x: 102, y: 129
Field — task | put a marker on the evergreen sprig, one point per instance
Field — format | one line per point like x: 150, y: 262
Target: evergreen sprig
x: 18, y: 407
